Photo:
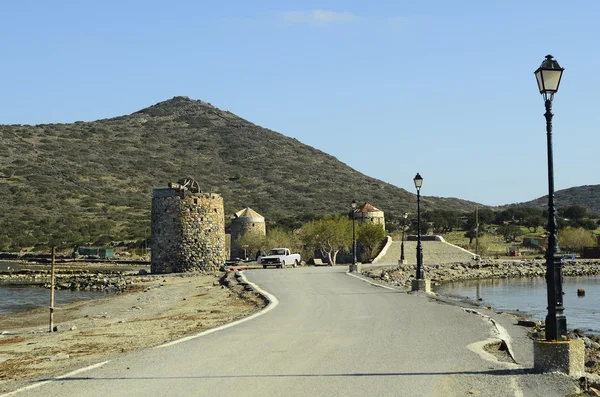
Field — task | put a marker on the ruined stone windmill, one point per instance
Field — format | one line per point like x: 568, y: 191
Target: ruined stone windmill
x: 188, y: 229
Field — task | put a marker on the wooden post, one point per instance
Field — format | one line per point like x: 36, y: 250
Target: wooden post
x: 52, y: 290
x: 476, y: 231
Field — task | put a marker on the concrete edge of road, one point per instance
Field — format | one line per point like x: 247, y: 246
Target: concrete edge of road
x: 273, y: 302
x: 383, y: 251
x: 460, y: 248
x: 500, y: 334
x: 372, y: 282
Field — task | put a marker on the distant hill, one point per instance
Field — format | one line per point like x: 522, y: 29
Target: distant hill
x: 587, y: 196
x: 92, y: 181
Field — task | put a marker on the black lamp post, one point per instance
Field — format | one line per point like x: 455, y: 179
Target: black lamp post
x: 353, y: 236
x: 418, y: 183
x: 548, y: 77
x: 404, y: 217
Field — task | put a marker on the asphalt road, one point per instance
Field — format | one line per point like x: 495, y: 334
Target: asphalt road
x: 330, y: 334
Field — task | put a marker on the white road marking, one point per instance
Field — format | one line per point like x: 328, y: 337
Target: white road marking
x: 38, y: 384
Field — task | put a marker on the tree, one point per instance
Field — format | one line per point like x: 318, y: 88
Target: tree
x: 574, y: 212
x: 473, y: 233
x: 253, y: 242
x: 369, y: 236
x: 295, y: 222
x: 443, y: 220
x: 484, y: 216
x: 329, y: 236
x: 533, y: 222
x: 5, y: 242
x: 476, y: 232
x: 424, y: 226
x: 472, y: 229
x: 575, y: 239
x: 278, y: 237
x: 506, y: 215
x: 510, y: 232
x: 520, y: 214
x: 587, y: 224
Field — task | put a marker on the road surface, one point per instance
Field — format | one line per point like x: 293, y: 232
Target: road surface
x: 331, y: 334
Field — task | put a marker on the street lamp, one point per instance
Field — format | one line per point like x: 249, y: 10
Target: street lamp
x: 404, y: 217
x: 418, y: 183
x: 353, y: 237
x: 548, y: 77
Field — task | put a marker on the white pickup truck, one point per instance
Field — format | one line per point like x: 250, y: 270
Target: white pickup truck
x: 279, y: 257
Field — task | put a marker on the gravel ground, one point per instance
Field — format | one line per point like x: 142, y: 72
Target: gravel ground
x: 152, y: 310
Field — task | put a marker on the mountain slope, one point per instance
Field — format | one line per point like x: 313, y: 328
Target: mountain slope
x: 81, y: 181
x: 587, y: 196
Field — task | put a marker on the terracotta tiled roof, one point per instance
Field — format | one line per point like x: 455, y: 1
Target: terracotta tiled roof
x: 366, y: 207
x: 248, y: 213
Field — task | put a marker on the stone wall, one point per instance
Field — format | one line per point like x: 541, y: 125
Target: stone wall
x: 188, y: 231
x: 242, y: 226
x: 449, y: 272
x: 376, y: 217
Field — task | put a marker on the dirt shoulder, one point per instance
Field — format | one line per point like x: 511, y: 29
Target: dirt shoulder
x: 149, y: 312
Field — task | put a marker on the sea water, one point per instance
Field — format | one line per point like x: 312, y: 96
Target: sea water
x: 529, y: 297
x: 15, y: 299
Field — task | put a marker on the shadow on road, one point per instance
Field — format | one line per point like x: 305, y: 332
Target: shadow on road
x: 498, y: 372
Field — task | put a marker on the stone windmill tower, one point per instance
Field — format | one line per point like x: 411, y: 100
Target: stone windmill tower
x: 187, y: 229
x: 245, y: 221
x: 367, y: 213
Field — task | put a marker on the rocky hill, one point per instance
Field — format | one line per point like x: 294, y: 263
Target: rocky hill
x: 587, y: 196
x: 92, y: 181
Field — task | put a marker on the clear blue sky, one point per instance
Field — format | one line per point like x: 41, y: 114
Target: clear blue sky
x: 390, y: 88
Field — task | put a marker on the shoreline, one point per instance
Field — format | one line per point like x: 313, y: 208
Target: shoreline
x: 156, y: 310
x: 402, y: 275
x: 113, y: 277
x: 489, y: 269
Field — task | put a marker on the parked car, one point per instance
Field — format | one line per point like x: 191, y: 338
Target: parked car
x: 279, y: 257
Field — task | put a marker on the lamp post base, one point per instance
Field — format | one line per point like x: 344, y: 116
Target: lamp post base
x: 421, y: 285
x: 354, y: 268
x: 402, y: 262
x: 565, y: 356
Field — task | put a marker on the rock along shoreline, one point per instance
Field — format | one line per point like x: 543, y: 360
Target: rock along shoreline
x: 402, y: 275
x: 80, y: 281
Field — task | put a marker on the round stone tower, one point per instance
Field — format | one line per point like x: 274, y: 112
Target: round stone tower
x: 245, y: 221
x: 187, y: 229
x: 367, y: 213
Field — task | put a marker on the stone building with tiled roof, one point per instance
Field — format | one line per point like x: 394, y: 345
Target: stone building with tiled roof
x: 367, y: 213
x: 245, y: 221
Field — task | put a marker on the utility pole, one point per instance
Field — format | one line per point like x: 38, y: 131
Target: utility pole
x: 476, y: 231
x: 52, y: 289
